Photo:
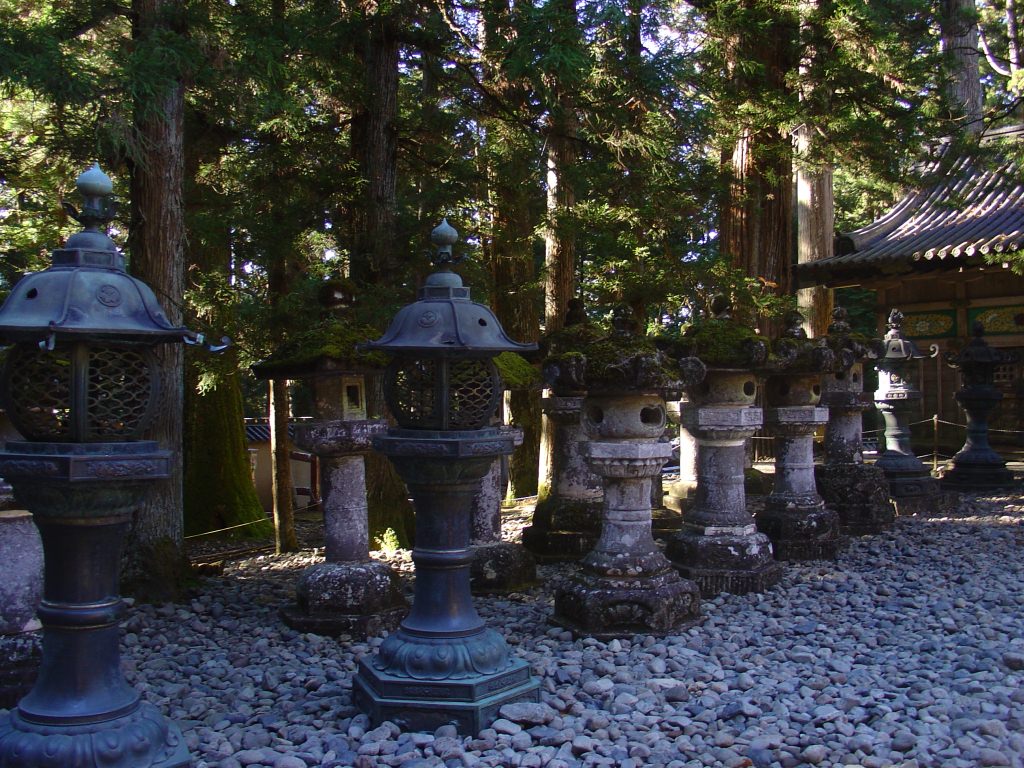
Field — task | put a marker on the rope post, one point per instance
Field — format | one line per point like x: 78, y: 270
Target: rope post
x: 935, y: 443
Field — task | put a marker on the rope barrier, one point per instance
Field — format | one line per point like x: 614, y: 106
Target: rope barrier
x: 243, y: 525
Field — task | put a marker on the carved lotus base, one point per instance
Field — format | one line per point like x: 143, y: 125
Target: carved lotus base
x: 800, y: 529
x: 470, y: 703
x: 361, y: 599
x: 143, y: 739
x: 563, y: 529
x: 501, y: 567
x: 859, y: 494
x: 606, y: 608
x: 737, y: 560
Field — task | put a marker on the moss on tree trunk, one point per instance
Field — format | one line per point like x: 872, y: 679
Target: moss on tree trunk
x: 219, y: 492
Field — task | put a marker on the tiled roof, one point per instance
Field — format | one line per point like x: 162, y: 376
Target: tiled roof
x: 976, y: 208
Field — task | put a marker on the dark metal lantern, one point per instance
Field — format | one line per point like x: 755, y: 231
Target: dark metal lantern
x: 442, y: 376
x: 82, y: 367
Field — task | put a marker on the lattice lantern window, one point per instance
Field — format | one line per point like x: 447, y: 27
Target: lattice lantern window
x: 82, y: 367
x: 442, y: 375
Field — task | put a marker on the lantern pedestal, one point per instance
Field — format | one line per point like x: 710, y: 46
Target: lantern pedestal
x: 626, y: 585
x: 443, y: 665
x: 81, y: 711
x: 350, y: 593
x: 498, y: 567
x: 977, y: 466
x: 567, y: 521
x: 719, y: 546
x: 795, y: 517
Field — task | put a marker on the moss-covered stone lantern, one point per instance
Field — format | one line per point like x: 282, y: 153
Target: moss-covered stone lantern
x: 625, y: 584
x: 80, y: 385
x: 443, y: 665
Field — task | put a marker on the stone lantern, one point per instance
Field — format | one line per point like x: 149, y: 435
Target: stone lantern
x: 567, y: 519
x: 896, y: 397
x: 976, y: 466
x: 349, y: 592
x: 80, y: 384
x: 858, y: 492
x: 625, y: 584
x: 443, y: 665
x: 719, y: 546
x: 795, y: 517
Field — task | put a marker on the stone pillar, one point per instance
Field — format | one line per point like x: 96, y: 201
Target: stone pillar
x: 21, y: 589
x: 976, y: 466
x: 498, y: 566
x: 567, y: 522
x: 349, y: 593
x: 858, y: 492
x: 626, y: 586
x: 719, y: 546
x: 681, y: 493
x: 795, y: 517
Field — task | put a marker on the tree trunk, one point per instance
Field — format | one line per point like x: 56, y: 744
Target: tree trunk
x: 154, y: 566
x: 815, y: 234
x: 375, y: 149
x: 283, y: 488
x: 960, y: 42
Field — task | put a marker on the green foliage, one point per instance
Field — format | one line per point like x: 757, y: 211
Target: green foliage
x: 387, y: 542
x: 516, y: 372
x: 721, y: 343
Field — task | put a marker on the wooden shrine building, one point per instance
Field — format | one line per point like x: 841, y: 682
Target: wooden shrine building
x: 942, y: 255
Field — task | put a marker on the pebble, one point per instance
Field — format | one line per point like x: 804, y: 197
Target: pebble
x: 906, y: 652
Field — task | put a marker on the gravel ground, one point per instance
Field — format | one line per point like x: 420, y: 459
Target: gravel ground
x: 907, y: 651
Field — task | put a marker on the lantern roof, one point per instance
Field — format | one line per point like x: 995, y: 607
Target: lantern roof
x: 86, y: 292
x: 895, y: 346
x: 443, y: 321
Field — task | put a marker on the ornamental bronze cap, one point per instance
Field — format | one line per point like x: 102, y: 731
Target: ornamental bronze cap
x: 86, y: 293
x: 444, y: 322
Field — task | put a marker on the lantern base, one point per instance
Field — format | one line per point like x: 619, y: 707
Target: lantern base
x: 361, y: 599
x: 606, y: 608
x: 976, y: 471
x: 501, y: 567
x: 735, y: 559
x: 859, y: 494
x: 800, y: 529
x: 20, y: 656
x: 563, y: 529
x: 142, y: 739
x: 470, y: 704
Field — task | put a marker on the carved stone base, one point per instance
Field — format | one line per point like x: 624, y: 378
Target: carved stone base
x: 800, y: 530
x: 359, y: 599
x: 606, y: 608
x: 737, y: 560
x: 425, y: 704
x: 501, y: 567
x: 918, y: 486
x: 143, y: 739
x: 563, y: 530
x: 19, y: 663
x: 970, y: 473
x: 859, y: 493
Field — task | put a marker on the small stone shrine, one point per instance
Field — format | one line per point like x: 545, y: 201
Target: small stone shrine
x: 567, y: 519
x: 858, y: 492
x: 719, y: 546
x: 625, y: 585
x: 498, y: 566
x: 349, y: 593
x: 795, y: 517
x: 910, y: 483
x: 443, y: 665
x: 976, y: 466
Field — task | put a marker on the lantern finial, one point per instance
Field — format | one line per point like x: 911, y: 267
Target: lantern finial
x: 444, y: 237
